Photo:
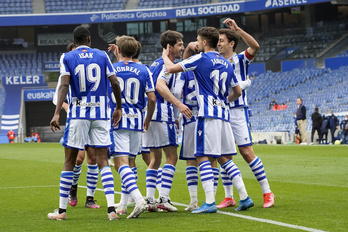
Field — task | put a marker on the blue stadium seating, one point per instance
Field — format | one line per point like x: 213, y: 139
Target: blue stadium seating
x: 323, y: 88
x: 15, y: 7
x: 25, y: 64
x: 144, y: 4
x: 69, y: 6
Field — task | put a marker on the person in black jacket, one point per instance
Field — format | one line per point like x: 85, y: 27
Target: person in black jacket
x: 344, y: 128
x: 324, y: 129
x: 333, y: 124
x: 317, y: 120
x: 301, y: 120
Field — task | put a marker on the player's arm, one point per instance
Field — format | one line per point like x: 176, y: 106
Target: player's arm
x: 237, y: 92
x: 245, y: 84
x: 116, y: 89
x: 248, y: 39
x: 170, y: 66
x: 62, y: 92
x: 191, y: 49
x: 162, y: 89
x: 151, y: 105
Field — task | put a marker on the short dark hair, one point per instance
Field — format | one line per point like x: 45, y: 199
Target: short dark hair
x: 170, y: 37
x: 127, y: 44
x: 80, y: 34
x: 316, y: 109
x: 136, y: 56
x: 70, y: 47
x: 211, y: 34
x: 231, y: 36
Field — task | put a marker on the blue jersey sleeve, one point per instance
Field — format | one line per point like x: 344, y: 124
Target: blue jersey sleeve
x: 191, y: 63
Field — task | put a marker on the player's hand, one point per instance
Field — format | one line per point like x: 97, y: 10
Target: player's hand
x: 112, y: 47
x: 232, y: 24
x: 185, y: 110
x: 166, y: 51
x: 193, y: 46
x: 116, y: 117
x: 54, y: 124
x: 146, y: 124
x: 177, y: 126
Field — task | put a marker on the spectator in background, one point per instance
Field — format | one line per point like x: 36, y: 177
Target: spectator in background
x: 324, y: 129
x: 272, y: 104
x: 344, y: 128
x: 317, y: 121
x: 283, y: 106
x: 333, y: 124
x: 301, y: 120
x: 11, y: 136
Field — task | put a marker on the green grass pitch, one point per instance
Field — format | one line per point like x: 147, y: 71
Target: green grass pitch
x: 310, y: 184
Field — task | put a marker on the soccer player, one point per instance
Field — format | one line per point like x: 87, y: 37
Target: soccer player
x: 213, y: 135
x: 135, y: 80
x: 185, y: 87
x: 239, y: 119
x: 162, y: 130
x: 86, y: 71
x: 92, y: 171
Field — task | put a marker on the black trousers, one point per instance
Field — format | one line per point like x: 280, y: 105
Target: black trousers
x: 332, y: 132
x: 317, y: 128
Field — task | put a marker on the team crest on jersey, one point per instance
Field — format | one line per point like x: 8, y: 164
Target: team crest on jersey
x: 217, y: 55
x: 199, y: 132
x: 84, y: 50
x: 126, y: 63
x: 171, y: 126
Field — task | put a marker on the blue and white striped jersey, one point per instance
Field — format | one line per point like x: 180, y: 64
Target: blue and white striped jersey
x: 240, y: 63
x: 185, y: 84
x: 164, y: 110
x: 89, y: 70
x: 213, y: 76
x: 135, y: 80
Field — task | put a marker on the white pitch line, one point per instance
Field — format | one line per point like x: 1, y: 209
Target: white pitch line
x: 247, y: 217
x: 220, y: 212
x: 20, y: 187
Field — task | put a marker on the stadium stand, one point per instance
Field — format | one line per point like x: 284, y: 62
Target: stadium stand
x: 25, y: 64
x: 15, y: 7
x: 68, y: 6
x: 343, y: 54
x: 305, y: 43
x: 323, y: 88
x: 2, y: 99
x: 144, y: 4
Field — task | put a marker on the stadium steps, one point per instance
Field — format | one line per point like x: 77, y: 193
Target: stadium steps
x: 131, y: 4
x: 38, y: 6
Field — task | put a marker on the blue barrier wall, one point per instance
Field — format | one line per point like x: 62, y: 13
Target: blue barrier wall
x: 336, y: 62
x: 289, y: 65
x: 256, y: 68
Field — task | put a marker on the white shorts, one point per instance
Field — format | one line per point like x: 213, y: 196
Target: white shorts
x: 214, y: 137
x: 160, y: 134
x: 78, y: 130
x: 187, y: 151
x: 142, y: 148
x: 125, y: 143
x: 239, y: 120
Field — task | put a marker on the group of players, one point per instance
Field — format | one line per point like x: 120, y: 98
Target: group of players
x: 207, y: 88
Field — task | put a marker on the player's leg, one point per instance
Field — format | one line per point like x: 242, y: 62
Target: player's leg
x: 74, y: 138
x: 77, y: 172
x: 241, y: 132
x: 92, y: 178
x: 99, y: 136
x: 187, y: 152
x: 168, y: 172
x: 216, y: 173
x: 228, y: 188
x: 207, y: 143
x: 229, y: 149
